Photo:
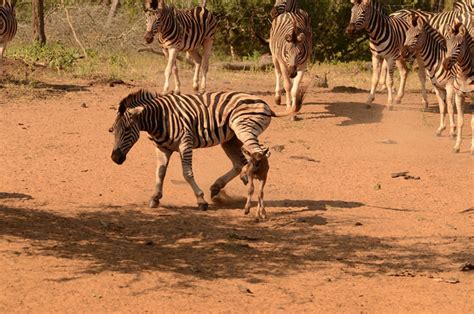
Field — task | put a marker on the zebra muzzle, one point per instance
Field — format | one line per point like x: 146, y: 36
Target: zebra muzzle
x: 405, y: 52
x: 149, y: 37
x: 292, y: 72
x: 118, y: 156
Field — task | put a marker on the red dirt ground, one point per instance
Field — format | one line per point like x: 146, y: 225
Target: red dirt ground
x: 342, y: 235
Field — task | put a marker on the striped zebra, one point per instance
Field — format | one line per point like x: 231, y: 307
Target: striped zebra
x: 283, y: 6
x: 181, y: 30
x: 459, y: 52
x: 430, y: 45
x: 386, y: 35
x: 291, y: 42
x: 181, y: 123
x: 464, y: 5
x: 8, y: 25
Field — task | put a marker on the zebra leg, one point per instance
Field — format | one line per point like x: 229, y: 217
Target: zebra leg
x: 472, y: 133
x: 287, y: 84
x: 186, y: 152
x: 402, y: 69
x: 2, y: 49
x: 422, y: 77
x: 171, y: 61
x: 233, y: 150
x: 177, y: 82
x: 194, y: 54
x: 277, y: 81
x: 376, y: 62
x: 295, y: 88
x: 383, y: 76
x: 441, y: 95
x: 449, y: 101
x: 261, y: 213
x: 460, y: 121
x: 206, y: 54
x: 391, y: 66
x: 251, y: 189
x: 163, y: 158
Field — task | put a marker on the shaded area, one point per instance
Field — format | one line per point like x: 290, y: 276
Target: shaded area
x: 348, y: 90
x: 47, y: 86
x: 354, y: 112
x: 207, y: 246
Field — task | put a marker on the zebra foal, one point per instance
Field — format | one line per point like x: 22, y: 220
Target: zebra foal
x: 181, y: 123
x: 291, y: 45
x: 181, y: 30
x: 8, y: 25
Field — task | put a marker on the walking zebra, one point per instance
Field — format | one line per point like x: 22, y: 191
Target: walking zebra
x: 386, y: 35
x: 459, y: 51
x: 290, y: 44
x: 181, y: 123
x: 430, y: 45
x: 181, y: 30
x: 8, y: 25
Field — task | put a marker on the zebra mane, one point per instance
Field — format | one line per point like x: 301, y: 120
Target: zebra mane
x: 435, y: 34
x: 136, y: 99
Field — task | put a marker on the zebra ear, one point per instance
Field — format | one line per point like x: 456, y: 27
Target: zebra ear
x: 161, y: 4
x: 301, y: 37
x: 356, y: 1
x: 366, y: 2
x: 135, y: 112
x: 458, y: 29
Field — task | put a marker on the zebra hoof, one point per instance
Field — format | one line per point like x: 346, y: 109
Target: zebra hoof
x: 196, y: 88
x: 278, y: 101
x: 456, y: 150
x: 452, y: 136
x: 203, y: 206
x: 398, y: 101
x: 154, y: 204
x: 247, y: 210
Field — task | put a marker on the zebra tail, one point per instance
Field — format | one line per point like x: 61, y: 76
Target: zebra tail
x: 298, y: 105
x: 262, y: 40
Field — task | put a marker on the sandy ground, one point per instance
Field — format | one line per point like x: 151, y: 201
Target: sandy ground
x: 342, y: 235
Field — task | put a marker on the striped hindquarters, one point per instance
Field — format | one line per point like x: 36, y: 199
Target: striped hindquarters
x: 291, y: 38
x: 185, y: 29
x: 8, y: 23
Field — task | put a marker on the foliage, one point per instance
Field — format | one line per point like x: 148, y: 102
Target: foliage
x: 56, y: 55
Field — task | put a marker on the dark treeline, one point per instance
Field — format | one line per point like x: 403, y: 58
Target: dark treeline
x: 240, y: 20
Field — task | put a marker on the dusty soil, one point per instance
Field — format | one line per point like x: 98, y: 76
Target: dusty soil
x: 342, y: 234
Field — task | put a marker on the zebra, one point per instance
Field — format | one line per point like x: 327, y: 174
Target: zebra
x: 386, y: 35
x: 181, y: 30
x: 283, y: 6
x: 459, y: 51
x: 181, y: 123
x: 464, y: 6
x: 291, y: 46
x: 8, y: 25
x: 430, y: 45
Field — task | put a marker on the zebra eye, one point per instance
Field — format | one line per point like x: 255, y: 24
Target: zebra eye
x: 111, y: 130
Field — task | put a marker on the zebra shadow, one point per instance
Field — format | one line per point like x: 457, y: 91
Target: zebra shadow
x: 50, y: 87
x: 354, y: 112
x: 210, y: 245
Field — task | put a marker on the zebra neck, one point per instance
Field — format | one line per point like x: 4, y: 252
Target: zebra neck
x: 151, y: 119
x: 168, y: 19
x: 432, y: 52
x: 466, y: 63
x: 378, y: 23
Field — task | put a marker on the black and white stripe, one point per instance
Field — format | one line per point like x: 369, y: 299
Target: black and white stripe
x: 8, y: 24
x: 181, y: 123
x: 283, y: 6
x: 459, y: 52
x: 429, y: 44
x: 291, y: 42
x: 181, y: 30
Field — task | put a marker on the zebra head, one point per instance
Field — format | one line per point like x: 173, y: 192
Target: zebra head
x: 294, y: 49
x: 413, y: 35
x: 153, y: 10
x: 455, y: 43
x: 359, y: 16
x: 126, y: 131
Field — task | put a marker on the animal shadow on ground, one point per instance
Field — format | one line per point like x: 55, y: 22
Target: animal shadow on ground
x: 47, y: 86
x: 354, y: 112
x: 209, y: 245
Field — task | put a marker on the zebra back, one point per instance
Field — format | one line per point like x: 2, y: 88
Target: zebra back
x: 291, y: 37
x: 8, y: 22
x: 182, y: 29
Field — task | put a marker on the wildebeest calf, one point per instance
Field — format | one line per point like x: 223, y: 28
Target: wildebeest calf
x: 256, y: 169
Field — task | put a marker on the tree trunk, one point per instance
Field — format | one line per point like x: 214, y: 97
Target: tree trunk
x: 113, y: 9
x: 38, y: 21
